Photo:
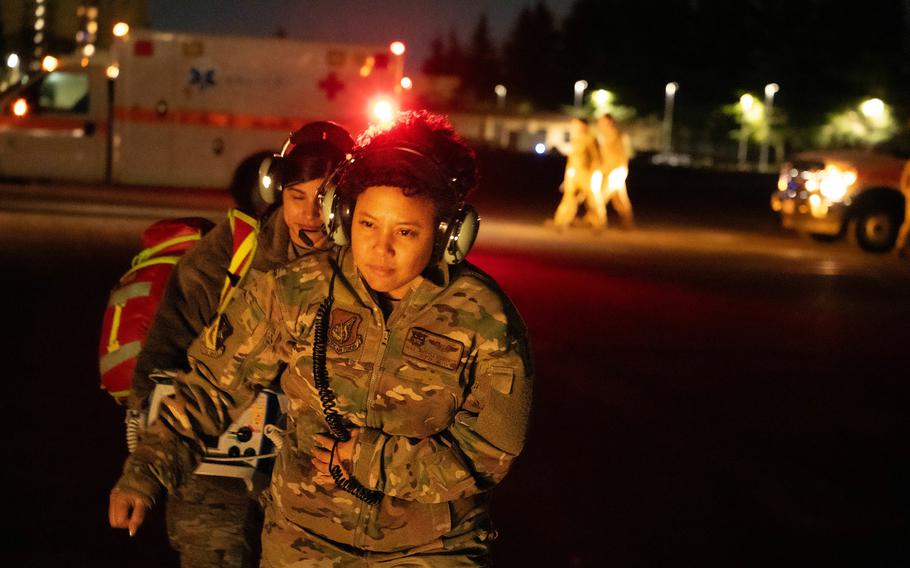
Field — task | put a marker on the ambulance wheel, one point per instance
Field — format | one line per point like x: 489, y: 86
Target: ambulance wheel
x: 875, y: 229
x: 245, y: 186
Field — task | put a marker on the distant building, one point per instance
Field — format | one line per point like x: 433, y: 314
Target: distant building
x: 542, y: 132
x: 35, y: 28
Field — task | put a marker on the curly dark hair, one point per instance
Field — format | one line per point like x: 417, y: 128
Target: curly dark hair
x: 421, y: 153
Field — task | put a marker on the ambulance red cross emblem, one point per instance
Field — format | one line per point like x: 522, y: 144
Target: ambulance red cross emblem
x: 331, y: 85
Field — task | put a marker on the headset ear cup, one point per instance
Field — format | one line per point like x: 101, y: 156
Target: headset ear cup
x: 461, y: 235
x: 270, y: 182
x: 335, y: 216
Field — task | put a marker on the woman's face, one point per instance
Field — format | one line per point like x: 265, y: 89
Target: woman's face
x: 392, y: 238
x: 301, y: 213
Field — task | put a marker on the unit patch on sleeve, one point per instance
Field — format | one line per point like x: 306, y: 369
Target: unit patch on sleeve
x: 433, y: 348
x: 343, y: 336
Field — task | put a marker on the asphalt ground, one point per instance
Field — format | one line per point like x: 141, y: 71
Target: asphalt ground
x: 710, y: 390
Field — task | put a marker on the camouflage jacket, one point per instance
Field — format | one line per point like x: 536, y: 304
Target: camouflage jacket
x: 441, y: 393
x: 191, y: 297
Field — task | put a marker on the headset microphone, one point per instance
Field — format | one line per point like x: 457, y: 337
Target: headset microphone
x: 305, y: 238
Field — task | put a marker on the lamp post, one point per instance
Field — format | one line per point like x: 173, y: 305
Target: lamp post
x: 745, y: 104
x: 770, y: 90
x: 670, y: 92
x: 580, y: 87
x: 501, y: 92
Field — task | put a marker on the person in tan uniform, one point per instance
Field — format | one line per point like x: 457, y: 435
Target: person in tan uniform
x: 614, y: 168
x: 407, y: 371
x: 582, y: 161
x: 901, y: 245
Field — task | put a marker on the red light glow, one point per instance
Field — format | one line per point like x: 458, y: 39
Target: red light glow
x: 20, y: 107
x: 397, y: 48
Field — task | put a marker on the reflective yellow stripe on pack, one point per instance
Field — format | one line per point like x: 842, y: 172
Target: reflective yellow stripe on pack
x: 152, y: 262
x: 152, y: 251
x: 112, y: 343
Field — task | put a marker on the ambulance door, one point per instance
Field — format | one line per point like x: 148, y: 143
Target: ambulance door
x: 57, y: 127
x: 145, y: 111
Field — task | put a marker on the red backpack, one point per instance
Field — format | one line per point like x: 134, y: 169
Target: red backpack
x: 134, y: 300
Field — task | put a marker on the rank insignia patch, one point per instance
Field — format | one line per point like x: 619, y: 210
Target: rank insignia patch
x: 433, y: 348
x: 343, y: 336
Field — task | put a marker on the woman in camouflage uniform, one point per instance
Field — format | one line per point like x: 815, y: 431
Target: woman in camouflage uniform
x: 391, y: 460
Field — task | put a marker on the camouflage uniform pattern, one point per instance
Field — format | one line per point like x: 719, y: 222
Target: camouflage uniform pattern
x: 211, y: 521
x: 440, y: 393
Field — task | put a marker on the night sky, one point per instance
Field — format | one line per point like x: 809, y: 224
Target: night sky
x: 415, y: 22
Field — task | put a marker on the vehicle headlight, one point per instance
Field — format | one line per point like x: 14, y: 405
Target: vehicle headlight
x: 783, y: 180
x: 835, y: 182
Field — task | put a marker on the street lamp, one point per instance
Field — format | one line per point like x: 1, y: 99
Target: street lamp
x: 746, y: 102
x: 500, y: 91
x: 770, y: 90
x: 580, y: 87
x: 670, y: 91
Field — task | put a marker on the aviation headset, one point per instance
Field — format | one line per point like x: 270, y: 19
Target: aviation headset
x: 279, y: 171
x: 455, y: 233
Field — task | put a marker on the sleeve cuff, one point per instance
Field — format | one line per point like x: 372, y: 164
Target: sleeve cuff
x: 368, y: 465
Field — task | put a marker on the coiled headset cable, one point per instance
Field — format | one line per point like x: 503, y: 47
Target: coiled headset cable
x: 327, y: 398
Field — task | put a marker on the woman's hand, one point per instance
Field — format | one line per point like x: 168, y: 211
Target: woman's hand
x: 344, y: 453
x: 127, y: 510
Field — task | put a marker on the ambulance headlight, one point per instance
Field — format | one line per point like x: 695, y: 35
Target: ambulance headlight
x: 835, y: 182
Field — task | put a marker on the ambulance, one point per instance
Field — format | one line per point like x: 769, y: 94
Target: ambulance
x: 188, y: 110
x: 830, y: 194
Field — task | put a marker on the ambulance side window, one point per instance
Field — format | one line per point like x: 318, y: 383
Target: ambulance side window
x: 63, y: 91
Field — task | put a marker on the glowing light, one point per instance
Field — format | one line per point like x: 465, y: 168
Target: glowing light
x: 783, y: 182
x: 671, y: 88
x: 872, y: 108
x: 500, y: 90
x: 39, y: 37
x: 12, y: 61
x: 84, y: 62
x: 39, y: 24
x: 406, y: 83
x: 602, y: 97
x: 91, y: 27
x: 20, y: 107
x: 49, y: 63
x: 367, y: 67
x: 835, y: 182
x: 746, y: 101
x: 540, y: 147
x: 92, y: 13
x: 570, y: 172
x: 88, y: 49
x: 812, y: 184
x: 771, y: 89
x: 383, y: 111
x: 121, y: 29
x: 39, y: 11
x: 112, y: 71
x: 580, y: 86
x: 397, y: 48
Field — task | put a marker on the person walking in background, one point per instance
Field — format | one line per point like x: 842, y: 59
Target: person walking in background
x: 613, y: 170
x: 901, y: 245
x: 581, y: 163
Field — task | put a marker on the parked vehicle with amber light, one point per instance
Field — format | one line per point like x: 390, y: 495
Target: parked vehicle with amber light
x: 832, y: 194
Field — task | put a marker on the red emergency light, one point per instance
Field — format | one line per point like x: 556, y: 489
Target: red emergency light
x: 143, y: 48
